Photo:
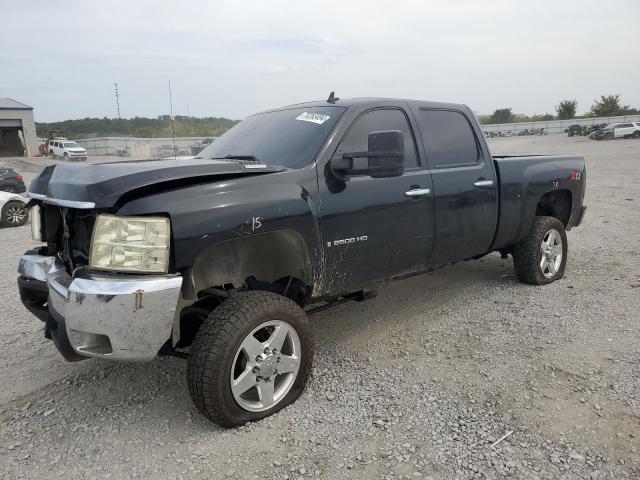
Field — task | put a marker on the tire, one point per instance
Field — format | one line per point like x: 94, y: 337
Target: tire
x: 219, y: 353
x: 636, y: 134
x: 51, y: 154
x: 529, y: 255
x: 8, y: 189
x: 65, y: 156
x: 14, y: 214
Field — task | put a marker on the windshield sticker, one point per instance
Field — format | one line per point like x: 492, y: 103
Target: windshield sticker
x: 318, y: 118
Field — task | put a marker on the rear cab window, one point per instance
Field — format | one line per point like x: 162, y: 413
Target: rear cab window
x: 449, y: 138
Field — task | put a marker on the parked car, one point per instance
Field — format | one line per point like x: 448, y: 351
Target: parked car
x: 598, y: 131
x: 575, y: 130
x: 290, y: 212
x: 13, y: 210
x: 67, y: 149
x: 599, y: 134
x: 623, y: 130
x: 10, y: 181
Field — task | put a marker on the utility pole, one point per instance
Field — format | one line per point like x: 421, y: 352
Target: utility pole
x: 115, y: 85
x: 173, y: 126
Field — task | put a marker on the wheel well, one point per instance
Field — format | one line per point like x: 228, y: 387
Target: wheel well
x: 267, y: 257
x: 555, y: 204
x: 276, y: 262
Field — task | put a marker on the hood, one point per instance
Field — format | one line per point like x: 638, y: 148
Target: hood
x: 103, y: 184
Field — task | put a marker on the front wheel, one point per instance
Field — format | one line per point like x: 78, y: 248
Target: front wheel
x: 66, y: 156
x: 542, y: 256
x: 636, y: 134
x: 250, y: 358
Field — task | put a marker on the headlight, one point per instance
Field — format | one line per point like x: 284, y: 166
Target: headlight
x: 130, y: 244
x: 36, y: 224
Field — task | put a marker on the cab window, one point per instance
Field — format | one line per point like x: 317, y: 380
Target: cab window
x: 449, y: 138
x: 357, y: 138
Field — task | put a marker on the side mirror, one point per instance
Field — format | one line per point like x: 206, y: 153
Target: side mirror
x: 384, y: 157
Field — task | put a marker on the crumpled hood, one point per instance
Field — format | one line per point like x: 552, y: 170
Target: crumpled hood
x: 105, y: 183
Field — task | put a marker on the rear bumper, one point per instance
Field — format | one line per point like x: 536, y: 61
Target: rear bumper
x: 123, y: 318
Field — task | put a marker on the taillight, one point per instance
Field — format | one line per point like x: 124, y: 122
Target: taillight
x: 20, y: 178
x: 575, y: 175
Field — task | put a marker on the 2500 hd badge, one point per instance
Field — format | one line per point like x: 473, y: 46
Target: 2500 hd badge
x: 232, y: 295
x: 346, y: 241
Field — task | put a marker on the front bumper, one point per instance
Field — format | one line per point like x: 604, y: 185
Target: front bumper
x: 105, y: 316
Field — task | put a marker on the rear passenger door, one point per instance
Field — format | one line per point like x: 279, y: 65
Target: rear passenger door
x: 464, y: 184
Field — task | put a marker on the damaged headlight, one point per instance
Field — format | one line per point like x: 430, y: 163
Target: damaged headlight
x: 130, y: 244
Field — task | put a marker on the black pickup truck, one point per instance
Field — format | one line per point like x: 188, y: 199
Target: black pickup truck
x: 221, y: 257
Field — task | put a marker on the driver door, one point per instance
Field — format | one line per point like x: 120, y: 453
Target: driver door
x: 375, y: 228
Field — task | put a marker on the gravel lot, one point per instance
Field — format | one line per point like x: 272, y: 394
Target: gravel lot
x: 417, y: 383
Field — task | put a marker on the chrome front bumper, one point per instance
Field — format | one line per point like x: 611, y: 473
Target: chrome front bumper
x: 105, y: 316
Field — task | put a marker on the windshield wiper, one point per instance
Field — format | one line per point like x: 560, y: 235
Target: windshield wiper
x: 236, y: 157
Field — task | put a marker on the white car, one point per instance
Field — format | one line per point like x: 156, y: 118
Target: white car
x: 623, y: 130
x: 13, y: 210
x: 67, y: 149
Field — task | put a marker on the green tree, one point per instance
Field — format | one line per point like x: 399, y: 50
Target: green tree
x: 502, y: 115
x: 566, y: 109
x: 540, y: 118
x: 609, y: 106
x: 143, y: 132
x: 139, y: 127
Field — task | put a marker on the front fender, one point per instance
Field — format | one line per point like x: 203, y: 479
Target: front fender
x: 206, y: 215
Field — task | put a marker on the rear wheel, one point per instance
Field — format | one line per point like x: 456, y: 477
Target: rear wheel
x: 8, y: 188
x: 14, y: 214
x: 542, y: 256
x: 251, y: 357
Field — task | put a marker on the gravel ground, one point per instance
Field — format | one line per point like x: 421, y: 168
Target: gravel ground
x: 416, y: 383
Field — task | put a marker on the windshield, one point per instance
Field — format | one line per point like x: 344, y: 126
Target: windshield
x: 71, y: 145
x: 290, y: 138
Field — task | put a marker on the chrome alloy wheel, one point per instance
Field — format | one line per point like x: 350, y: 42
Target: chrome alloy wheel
x: 551, y: 253
x: 265, y: 366
x: 15, y: 215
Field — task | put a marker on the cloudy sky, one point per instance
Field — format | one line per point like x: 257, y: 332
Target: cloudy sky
x: 231, y: 58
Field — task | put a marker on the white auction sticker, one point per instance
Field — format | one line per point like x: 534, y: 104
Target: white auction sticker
x: 318, y: 118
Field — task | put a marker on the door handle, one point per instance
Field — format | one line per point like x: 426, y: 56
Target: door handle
x: 483, y: 183
x: 417, y: 192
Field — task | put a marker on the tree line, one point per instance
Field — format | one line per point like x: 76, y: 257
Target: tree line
x: 159, y: 127
x: 606, y: 106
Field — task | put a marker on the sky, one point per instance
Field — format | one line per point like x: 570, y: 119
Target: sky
x: 232, y: 58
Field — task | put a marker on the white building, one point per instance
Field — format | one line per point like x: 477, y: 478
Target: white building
x: 17, y: 129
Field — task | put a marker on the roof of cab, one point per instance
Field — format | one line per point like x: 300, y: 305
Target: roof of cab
x: 368, y: 101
